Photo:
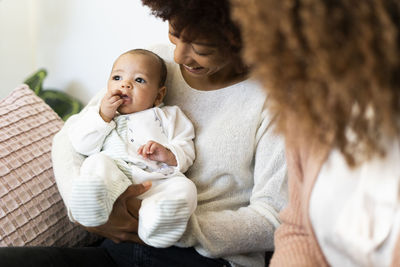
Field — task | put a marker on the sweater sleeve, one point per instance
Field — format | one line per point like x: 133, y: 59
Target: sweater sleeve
x: 180, y: 137
x: 295, y: 244
x: 88, y: 132
x: 66, y: 161
x: 249, y: 229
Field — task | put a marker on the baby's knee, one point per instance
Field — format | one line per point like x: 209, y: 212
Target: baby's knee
x: 97, y: 164
x: 184, y: 185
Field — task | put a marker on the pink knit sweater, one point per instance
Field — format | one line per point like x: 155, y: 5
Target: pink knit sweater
x: 295, y: 241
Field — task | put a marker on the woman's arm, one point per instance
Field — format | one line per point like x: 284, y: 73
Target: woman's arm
x: 66, y: 161
x: 295, y: 244
x: 291, y: 239
x: 250, y: 228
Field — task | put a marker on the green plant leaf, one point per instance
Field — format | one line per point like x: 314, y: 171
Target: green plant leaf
x: 63, y: 104
x: 35, y: 81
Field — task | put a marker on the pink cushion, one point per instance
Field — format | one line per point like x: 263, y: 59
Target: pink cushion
x: 32, y: 212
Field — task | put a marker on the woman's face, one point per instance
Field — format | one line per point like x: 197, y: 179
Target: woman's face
x: 200, y: 58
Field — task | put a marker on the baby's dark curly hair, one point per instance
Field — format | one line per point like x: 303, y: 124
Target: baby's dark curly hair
x: 332, y: 66
x: 207, y: 19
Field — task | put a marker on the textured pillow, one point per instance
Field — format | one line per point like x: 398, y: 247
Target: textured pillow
x: 32, y: 212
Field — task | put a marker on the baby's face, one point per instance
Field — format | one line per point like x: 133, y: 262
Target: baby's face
x: 136, y: 76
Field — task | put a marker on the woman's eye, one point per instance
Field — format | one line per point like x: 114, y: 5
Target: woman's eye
x: 202, y: 53
x: 116, y: 77
x: 140, y: 80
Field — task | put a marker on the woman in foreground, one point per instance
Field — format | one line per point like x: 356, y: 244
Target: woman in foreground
x: 332, y: 69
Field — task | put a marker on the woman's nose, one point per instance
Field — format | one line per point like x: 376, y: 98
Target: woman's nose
x: 182, y: 53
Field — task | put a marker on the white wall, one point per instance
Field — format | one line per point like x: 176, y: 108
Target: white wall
x: 76, y: 41
x: 16, y: 51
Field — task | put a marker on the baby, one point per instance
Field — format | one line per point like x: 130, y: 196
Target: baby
x: 131, y: 138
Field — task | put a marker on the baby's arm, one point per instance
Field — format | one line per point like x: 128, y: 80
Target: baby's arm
x: 155, y: 151
x: 180, y: 134
x: 88, y: 131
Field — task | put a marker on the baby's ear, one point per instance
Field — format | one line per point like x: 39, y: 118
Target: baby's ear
x: 160, y: 95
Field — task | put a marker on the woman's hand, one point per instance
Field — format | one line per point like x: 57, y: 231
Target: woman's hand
x: 122, y: 225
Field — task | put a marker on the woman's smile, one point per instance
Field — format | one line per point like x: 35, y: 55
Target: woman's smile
x: 195, y: 70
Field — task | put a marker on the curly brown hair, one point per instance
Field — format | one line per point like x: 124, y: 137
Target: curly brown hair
x: 333, y: 66
x: 207, y: 19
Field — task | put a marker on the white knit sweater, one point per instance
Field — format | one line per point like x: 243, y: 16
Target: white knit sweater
x: 240, y: 170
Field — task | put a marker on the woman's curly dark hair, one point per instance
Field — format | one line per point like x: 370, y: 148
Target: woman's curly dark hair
x: 332, y: 66
x: 209, y: 19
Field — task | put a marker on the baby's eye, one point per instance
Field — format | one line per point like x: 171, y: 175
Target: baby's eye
x: 140, y: 80
x: 116, y: 77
